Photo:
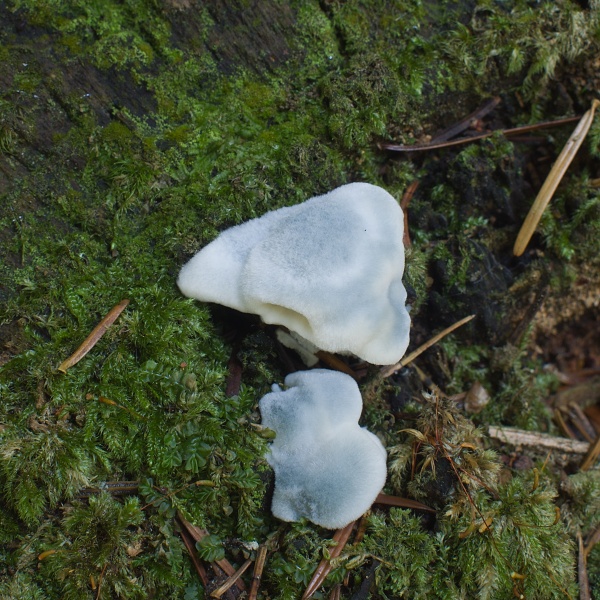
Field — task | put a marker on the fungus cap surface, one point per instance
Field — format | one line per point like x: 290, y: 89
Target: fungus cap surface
x: 329, y: 269
x: 328, y: 469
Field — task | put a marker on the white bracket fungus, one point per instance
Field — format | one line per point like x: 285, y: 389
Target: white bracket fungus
x: 329, y: 269
x: 328, y: 469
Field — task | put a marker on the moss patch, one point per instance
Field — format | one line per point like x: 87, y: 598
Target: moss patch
x: 131, y: 133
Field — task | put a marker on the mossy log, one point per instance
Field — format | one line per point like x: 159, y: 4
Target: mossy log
x: 131, y: 133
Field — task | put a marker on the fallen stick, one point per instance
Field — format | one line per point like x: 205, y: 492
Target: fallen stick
x: 92, y: 339
x: 520, y: 437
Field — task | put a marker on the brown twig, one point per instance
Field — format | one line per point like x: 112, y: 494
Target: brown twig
x: 341, y: 537
x: 92, y: 339
x: 554, y: 178
x: 387, y: 371
x: 401, y: 502
x: 231, y: 580
x: 259, y: 565
x: 507, y: 132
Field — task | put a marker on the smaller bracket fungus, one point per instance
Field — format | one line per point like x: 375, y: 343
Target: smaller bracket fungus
x: 328, y: 469
x: 329, y: 269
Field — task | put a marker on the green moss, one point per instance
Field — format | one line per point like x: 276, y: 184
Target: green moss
x: 531, y: 554
x: 107, y: 194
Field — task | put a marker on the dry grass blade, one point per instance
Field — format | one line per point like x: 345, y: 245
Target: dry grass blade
x: 232, y: 580
x: 341, y: 537
x: 401, y: 502
x: 387, y: 371
x: 582, y: 575
x: 92, y: 339
x: 259, y: 565
x: 554, y: 178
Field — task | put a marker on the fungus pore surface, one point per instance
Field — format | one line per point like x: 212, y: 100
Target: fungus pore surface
x: 329, y: 269
x: 328, y: 469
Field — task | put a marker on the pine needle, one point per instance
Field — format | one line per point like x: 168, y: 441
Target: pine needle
x: 554, y: 178
x: 387, y: 371
x: 401, y: 502
x: 341, y: 537
x: 591, y: 456
x: 232, y: 580
x: 92, y: 339
x: 582, y: 575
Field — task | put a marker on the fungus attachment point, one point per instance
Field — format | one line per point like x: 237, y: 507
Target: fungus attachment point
x: 328, y: 469
x: 329, y: 269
